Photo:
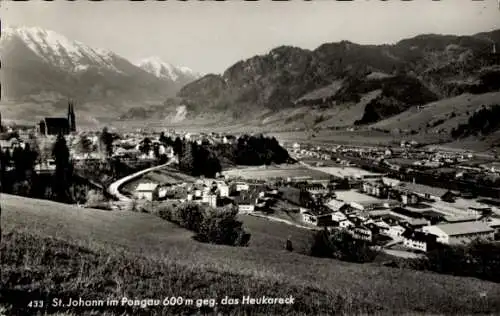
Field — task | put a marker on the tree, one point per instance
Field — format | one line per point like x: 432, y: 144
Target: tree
x: 178, y: 146
x: 186, y: 159
x: 341, y: 245
x: 145, y: 146
x: 60, y: 153
x: 220, y: 226
x: 106, y: 142
x: 85, y: 145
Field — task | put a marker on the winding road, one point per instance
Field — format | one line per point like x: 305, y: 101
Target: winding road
x: 114, y: 188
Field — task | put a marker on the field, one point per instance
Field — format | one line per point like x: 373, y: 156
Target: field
x: 260, y: 173
x: 166, y: 175
x: 53, y: 250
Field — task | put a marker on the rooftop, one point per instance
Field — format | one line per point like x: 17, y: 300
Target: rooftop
x: 354, y: 196
x: 422, y: 189
x: 347, y: 172
x: 146, y: 187
x: 464, y: 228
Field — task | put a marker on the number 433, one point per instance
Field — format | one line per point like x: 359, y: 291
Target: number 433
x: 35, y: 304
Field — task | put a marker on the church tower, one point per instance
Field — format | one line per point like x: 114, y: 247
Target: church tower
x: 71, y: 117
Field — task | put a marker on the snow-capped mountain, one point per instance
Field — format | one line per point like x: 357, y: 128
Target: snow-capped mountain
x: 37, y: 63
x: 161, y: 69
x: 59, y: 51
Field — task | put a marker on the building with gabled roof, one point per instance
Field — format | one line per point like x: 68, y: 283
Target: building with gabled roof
x: 458, y: 233
x: 147, y: 191
x: 418, y: 240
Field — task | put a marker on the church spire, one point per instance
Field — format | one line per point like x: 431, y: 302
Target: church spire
x: 71, y: 116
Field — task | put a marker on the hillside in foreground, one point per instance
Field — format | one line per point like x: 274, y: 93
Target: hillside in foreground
x: 53, y: 250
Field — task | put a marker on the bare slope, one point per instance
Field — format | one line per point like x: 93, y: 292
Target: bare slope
x: 167, y: 262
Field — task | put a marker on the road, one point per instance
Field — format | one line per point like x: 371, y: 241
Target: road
x: 114, y: 188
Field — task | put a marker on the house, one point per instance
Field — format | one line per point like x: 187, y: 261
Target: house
x: 395, y: 231
x: 147, y: 191
x: 315, y: 188
x: 448, y: 197
x: 338, y: 216
x: 382, y: 226
x: 337, y: 206
x: 423, y: 191
x: 9, y: 143
x: 223, y: 189
x: 463, y: 232
x: 409, y: 198
x: 210, y: 199
x: 433, y: 217
x: 346, y: 224
x: 361, y: 232
x: 238, y: 187
x: 376, y: 188
x: 317, y: 219
x: 418, y: 240
x: 247, y: 200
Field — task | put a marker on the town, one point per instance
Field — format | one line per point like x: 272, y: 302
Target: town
x: 406, y: 199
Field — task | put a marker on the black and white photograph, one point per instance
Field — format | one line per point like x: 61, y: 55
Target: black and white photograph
x: 250, y: 157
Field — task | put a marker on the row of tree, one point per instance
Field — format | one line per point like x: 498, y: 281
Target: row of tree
x: 483, y: 122
x: 479, y: 259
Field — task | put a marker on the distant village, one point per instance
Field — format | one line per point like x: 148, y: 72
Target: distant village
x: 363, y: 191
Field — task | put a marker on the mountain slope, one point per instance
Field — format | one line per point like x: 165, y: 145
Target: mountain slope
x: 411, y: 72
x: 41, y: 67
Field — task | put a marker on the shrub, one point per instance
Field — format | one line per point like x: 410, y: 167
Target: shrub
x: 339, y: 244
x: 190, y: 216
x: 480, y: 259
x: 218, y: 226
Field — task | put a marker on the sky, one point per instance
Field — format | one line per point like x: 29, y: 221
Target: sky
x: 208, y: 37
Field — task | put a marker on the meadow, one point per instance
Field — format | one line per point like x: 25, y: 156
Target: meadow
x: 51, y: 250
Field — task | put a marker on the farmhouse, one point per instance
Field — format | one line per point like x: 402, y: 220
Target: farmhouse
x: 418, y: 240
x: 457, y: 233
x: 361, y: 232
x: 318, y: 219
x: 147, y: 191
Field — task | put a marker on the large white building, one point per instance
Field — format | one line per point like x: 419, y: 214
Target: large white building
x: 457, y: 233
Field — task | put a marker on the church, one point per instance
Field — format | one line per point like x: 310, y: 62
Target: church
x: 59, y: 125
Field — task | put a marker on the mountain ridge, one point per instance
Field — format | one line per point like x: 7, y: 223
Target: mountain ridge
x: 436, y: 66
x: 42, y: 68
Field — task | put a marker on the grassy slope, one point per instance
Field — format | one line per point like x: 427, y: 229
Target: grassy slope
x: 161, y: 259
x: 413, y: 119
